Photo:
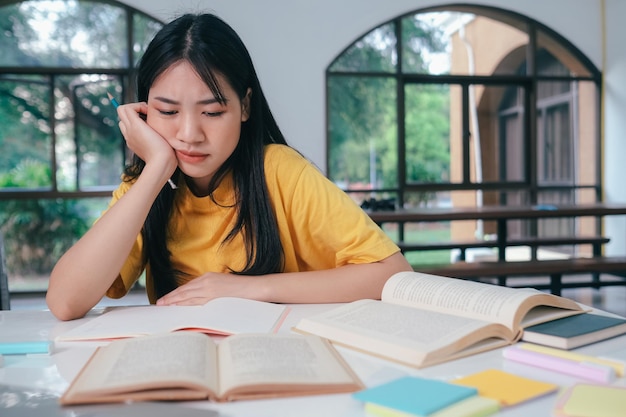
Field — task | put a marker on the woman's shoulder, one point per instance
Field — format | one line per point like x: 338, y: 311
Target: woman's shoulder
x: 277, y: 150
x: 283, y: 157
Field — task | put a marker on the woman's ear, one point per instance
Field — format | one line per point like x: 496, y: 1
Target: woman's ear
x: 245, y: 106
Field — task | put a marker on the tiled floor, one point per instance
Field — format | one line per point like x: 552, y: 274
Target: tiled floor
x: 611, y: 299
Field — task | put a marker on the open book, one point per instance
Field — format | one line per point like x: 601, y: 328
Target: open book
x: 191, y: 366
x: 220, y: 316
x: 425, y: 319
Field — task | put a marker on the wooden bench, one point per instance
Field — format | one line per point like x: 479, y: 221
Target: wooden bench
x: 534, y: 243
x: 555, y: 269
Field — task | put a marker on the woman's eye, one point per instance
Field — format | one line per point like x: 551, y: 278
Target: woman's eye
x: 168, y: 112
x: 213, y: 113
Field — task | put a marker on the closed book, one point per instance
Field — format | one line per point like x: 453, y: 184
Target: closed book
x: 574, y: 331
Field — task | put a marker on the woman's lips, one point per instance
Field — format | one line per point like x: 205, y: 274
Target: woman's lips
x: 193, y: 158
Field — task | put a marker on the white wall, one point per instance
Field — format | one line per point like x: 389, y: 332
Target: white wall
x: 293, y: 41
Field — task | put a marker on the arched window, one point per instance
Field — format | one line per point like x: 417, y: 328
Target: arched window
x: 62, y: 150
x: 465, y: 105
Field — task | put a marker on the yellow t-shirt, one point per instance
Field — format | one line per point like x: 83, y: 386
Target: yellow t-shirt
x: 320, y: 226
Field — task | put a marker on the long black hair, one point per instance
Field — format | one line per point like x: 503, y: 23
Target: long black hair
x: 213, y: 48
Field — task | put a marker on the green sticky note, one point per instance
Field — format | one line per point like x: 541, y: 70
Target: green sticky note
x: 588, y: 400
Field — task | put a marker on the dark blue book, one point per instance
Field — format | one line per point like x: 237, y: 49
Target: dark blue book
x: 574, y: 331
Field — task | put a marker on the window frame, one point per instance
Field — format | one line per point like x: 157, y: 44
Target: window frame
x: 531, y: 183
x: 125, y: 75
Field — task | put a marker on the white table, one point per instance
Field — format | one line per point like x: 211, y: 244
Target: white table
x: 52, y: 373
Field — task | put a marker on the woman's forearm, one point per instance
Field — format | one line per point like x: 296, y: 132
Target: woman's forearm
x: 84, y: 273
x: 343, y: 284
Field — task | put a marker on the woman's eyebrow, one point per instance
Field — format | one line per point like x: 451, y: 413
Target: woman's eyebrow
x: 175, y: 102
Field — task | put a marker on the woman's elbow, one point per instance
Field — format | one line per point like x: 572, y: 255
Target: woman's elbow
x: 61, y: 308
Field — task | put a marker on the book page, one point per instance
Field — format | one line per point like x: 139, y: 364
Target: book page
x: 281, y: 359
x: 220, y: 316
x: 466, y: 298
x: 410, y: 335
x: 151, y: 362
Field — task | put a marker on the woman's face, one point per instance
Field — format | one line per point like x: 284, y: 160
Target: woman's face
x: 202, y: 132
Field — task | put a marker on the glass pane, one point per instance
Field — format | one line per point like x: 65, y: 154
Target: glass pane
x: 89, y: 149
x: 461, y: 43
x: 586, y: 133
x: 25, y: 135
x: 569, y: 63
x: 363, y: 136
x: 425, y: 44
x: 567, y: 120
x: 15, y: 36
x: 38, y: 231
x: 504, y: 150
x: 375, y: 200
x: 496, y: 151
x: 59, y: 33
x: 144, y: 29
x: 375, y: 51
x: 427, y: 126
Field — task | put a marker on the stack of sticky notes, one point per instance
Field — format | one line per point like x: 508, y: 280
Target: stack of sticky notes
x: 575, y: 364
x: 590, y: 400
x: 413, y: 396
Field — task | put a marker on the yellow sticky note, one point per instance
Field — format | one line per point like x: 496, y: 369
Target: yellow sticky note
x: 476, y: 406
x: 504, y: 387
x: 587, y: 400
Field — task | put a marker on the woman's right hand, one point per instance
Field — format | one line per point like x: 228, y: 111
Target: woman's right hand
x: 143, y: 140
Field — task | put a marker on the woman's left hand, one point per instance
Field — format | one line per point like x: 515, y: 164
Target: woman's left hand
x: 207, y: 287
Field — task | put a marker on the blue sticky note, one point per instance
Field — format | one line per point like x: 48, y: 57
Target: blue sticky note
x: 415, y: 395
x: 23, y: 348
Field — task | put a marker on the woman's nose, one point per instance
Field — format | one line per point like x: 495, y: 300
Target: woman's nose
x: 189, y: 130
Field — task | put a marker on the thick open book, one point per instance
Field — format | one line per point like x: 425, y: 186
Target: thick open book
x: 191, y: 366
x: 220, y: 316
x: 425, y: 319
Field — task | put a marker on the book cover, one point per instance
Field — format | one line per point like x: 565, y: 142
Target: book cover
x: 504, y: 387
x: 417, y: 396
x: 574, y: 331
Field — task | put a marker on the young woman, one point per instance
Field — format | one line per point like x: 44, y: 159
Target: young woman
x: 215, y: 202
